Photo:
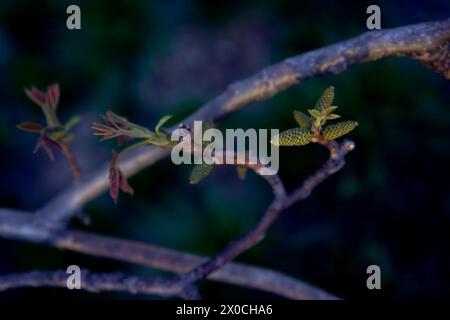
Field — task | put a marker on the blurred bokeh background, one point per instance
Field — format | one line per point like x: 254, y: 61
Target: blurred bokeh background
x: 389, y: 206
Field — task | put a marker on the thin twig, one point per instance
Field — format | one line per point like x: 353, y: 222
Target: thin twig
x: 335, y: 162
x: 331, y: 166
x: 68, y: 153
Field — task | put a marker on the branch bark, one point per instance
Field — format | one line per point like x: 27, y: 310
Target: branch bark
x: 93, y: 282
x: 20, y: 226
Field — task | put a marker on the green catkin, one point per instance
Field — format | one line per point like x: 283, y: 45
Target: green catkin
x: 199, y: 172
x: 337, y: 130
x: 293, y: 137
x: 326, y: 99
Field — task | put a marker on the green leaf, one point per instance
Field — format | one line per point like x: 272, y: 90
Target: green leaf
x: 302, y: 119
x: 57, y: 135
x: 68, y: 138
x: 30, y: 126
x: 53, y: 94
x: 293, y: 137
x: 330, y: 109
x: 326, y: 99
x: 315, y: 113
x: 199, y: 172
x: 117, y: 180
x: 332, y: 116
x: 160, y: 140
x: 71, y: 123
x: 161, y: 122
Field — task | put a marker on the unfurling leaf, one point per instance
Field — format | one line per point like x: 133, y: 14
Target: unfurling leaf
x: 241, y: 171
x: 120, y: 128
x: 52, y: 142
x: 53, y: 133
x: 332, y: 116
x: 116, y: 178
x: 68, y: 138
x: 30, y: 126
x: 53, y: 94
x: 124, y: 185
x: 326, y: 99
x: 302, y: 119
x: 45, y: 142
x: 114, y: 185
x: 73, y: 121
x: 37, y: 96
x: 330, y: 109
x: 116, y: 121
x: 337, y: 130
x: 161, y: 122
x: 293, y: 137
x: 47, y: 100
x: 315, y: 113
x: 56, y: 134
x: 199, y: 172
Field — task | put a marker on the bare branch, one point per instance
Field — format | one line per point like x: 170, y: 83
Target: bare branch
x: 20, y: 226
x: 94, y: 282
x: 333, y: 164
x: 427, y: 42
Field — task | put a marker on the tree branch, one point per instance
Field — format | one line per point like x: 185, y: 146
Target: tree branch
x: 12, y: 225
x: 94, y: 282
x: 20, y: 226
x: 280, y: 202
x: 427, y: 42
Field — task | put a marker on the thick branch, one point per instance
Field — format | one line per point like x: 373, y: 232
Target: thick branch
x: 19, y: 225
x: 428, y: 42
